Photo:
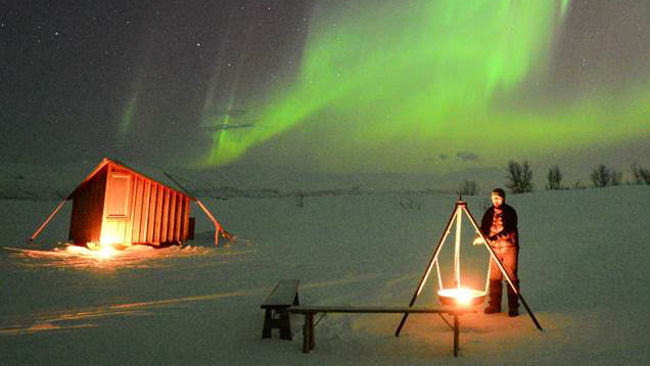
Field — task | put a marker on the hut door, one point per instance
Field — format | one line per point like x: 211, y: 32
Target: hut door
x: 117, y: 212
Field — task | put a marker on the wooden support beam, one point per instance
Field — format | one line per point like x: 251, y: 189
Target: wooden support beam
x: 217, y: 225
x: 47, y: 221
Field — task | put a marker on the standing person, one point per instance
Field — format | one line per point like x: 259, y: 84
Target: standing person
x: 499, y: 226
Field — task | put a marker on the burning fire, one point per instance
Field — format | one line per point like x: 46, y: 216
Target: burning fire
x: 461, y: 296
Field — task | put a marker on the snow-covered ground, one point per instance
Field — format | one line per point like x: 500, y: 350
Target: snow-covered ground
x: 583, y: 268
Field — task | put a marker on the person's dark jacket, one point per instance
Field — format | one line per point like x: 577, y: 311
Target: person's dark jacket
x: 509, y: 236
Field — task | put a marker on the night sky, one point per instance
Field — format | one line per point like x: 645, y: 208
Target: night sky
x: 334, y: 86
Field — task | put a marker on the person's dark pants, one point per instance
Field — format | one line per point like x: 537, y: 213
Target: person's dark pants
x: 508, y: 257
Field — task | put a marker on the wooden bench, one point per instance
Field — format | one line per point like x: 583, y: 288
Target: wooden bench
x: 308, y: 342
x: 283, y: 296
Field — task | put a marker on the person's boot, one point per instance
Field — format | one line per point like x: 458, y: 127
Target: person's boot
x: 494, y: 295
x: 513, y: 300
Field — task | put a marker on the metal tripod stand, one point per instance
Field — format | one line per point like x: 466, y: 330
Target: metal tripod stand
x: 459, y: 209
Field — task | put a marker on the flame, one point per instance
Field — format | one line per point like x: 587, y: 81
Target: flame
x: 462, y: 296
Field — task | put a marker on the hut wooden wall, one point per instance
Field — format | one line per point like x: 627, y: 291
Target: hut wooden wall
x: 156, y: 214
x: 87, y: 209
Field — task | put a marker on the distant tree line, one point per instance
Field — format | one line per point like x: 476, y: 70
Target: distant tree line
x: 519, y: 178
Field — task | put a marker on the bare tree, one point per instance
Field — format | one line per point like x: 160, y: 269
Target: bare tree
x: 603, y: 177
x: 641, y: 176
x: 520, y: 177
x: 554, y: 178
x: 600, y: 176
x: 468, y: 188
x: 409, y: 204
x: 300, y: 199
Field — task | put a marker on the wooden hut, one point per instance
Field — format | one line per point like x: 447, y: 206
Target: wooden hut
x: 118, y: 205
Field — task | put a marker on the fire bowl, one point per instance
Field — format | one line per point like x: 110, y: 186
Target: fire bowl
x: 461, y: 297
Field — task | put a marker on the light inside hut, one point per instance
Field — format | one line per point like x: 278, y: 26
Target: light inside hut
x: 109, y: 237
x: 104, y: 249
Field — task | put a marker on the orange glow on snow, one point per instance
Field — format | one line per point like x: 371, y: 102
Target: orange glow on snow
x: 105, y: 252
x: 100, y: 250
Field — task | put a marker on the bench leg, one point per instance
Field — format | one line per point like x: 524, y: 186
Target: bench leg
x: 305, y: 334
x: 312, y: 341
x: 285, y: 325
x: 268, y: 319
x: 456, y: 331
x: 308, y: 333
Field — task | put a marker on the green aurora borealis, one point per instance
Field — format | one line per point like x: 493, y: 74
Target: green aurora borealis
x: 415, y: 87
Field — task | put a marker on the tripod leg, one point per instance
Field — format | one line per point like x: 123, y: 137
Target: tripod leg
x: 424, y: 278
x: 505, y: 273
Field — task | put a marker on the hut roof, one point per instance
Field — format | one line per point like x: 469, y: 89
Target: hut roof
x: 147, y: 172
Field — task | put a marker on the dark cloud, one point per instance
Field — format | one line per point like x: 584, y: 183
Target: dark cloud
x: 467, y: 156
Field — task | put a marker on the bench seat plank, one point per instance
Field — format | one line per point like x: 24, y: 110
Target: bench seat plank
x: 305, y: 309
x: 284, y: 294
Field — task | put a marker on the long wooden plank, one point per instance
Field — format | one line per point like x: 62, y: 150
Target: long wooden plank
x: 165, y: 216
x: 128, y: 224
x: 311, y: 309
x: 177, y: 217
x: 142, y: 222
x: 150, y: 198
x: 136, y: 209
x: 157, y: 215
x: 186, y: 218
x: 172, y: 217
